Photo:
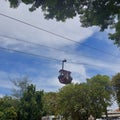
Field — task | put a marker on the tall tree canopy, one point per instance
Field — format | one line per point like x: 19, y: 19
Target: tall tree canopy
x: 101, y: 93
x: 72, y: 104
x: 73, y: 101
x: 50, y: 103
x: 97, y: 97
x: 8, y: 108
x: 31, y: 105
x: 102, y: 13
x: 116, y: 86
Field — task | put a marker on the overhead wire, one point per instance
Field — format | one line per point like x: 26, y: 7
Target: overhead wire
x: 41, y: 45
x: 29, y: 42
x: 31, y: 54
x: 44, y: 46
x: 45, y: 57
x: 58, y: 35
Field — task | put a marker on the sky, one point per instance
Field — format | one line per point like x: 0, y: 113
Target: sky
x: 88, y: 52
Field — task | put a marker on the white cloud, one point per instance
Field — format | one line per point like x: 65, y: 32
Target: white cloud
x: 70, y: 29
x: 42, y: 83
x: 47, y: 84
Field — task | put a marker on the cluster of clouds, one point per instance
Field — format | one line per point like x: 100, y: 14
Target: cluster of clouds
x: 69, y: 29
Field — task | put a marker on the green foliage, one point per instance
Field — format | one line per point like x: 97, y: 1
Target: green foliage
x: 100, y: 94
x: 10, y: 114
x: 28, y: 1
x: 50, y: 103
x: 78, y: 101
x: 8, y: 108
x: 116, y: 86
x: 102, y: 13
x: 72, y: 103
x: 7, y: 102
x: 116, y: 36
x: 31, y: 104
x: 14, y: 3
x: 1, y: 115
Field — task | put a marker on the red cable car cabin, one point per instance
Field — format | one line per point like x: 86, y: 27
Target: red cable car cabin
x: 64, y: 77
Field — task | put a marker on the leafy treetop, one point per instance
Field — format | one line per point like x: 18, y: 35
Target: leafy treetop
x: 102, y: 13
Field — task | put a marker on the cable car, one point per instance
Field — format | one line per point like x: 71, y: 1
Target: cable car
x: 65, y: 76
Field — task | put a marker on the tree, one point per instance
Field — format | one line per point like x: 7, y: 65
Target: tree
x: 31, y: 105
x: 79, y: 101
x: 50, y: 103
x: 100, y: 94
x: 72, y: 104
x: 21, y: 85
x: 1, y: 115
x: 116, y: 87
x: 102, y: 13
x: 10, y: 114
x: 28, y: 107
x: 8, y: 108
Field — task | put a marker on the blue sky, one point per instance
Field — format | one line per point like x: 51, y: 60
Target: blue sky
x: 43, y: 72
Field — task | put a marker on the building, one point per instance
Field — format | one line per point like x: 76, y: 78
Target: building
x: 113, y: 115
